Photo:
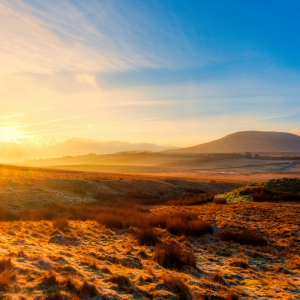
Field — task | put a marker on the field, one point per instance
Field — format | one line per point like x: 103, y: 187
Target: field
x: 159, y: 164
x: 85, y: 235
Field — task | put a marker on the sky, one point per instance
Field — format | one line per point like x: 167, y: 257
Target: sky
x: 171, y: 73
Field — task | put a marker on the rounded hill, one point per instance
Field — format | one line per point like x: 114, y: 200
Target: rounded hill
x: 253, y: 141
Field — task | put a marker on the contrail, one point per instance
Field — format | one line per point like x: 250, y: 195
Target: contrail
x: 51, y: 121
x: 97, y: 124
x: 11, y: 116
x: 23, y: 113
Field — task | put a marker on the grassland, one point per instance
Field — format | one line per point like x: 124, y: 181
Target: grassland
x: 112, y: 244
x: 280, y: 185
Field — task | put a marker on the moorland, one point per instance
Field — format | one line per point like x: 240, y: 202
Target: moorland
x: 88, y: 235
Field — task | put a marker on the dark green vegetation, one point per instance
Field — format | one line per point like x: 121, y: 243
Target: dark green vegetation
x: 283, y: 189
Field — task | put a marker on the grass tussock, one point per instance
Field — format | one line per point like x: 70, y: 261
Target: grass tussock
x: 60, y: 223
x: 121, y: 281
x: 172, y: 255
x: 177, y: 226
x: 220, y: 201
x: 147, y: 236
x: 79, y: 191
x: 181, y: 223
x: 181, y: 289
x: 218, y: 278
x: 88, y: 290
x: 244, y: 237
x: 231, y: 295
x: 240, y: 262
x: 192, y: 200
x: 7, y: 273
x: 264, y: 195
x: 50, y: 278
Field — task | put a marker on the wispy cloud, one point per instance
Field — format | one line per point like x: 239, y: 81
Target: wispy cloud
x: 92, y: 125
x: 23, y: 113
x: 52, y: 121
x: 45, y: 37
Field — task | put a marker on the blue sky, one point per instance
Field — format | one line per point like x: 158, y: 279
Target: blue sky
x: 167, y: 72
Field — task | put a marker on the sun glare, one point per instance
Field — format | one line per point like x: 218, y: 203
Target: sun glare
x: 9, y: 134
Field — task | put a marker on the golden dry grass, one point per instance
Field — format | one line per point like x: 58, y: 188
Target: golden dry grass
x: 122, y: 250
x: 90, y: 260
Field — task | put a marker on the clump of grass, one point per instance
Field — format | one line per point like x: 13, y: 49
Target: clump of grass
x: 289, y: 196
x: 181, y: 289
x: 79, y: 191
x: 181, y: 223
x: 142, y: 254
x: 240, y: 262
x: 220, y: 200
x: 69, y: 283
x: 111, y: 221
x: 192, y: 200
x: 280, y: 269
x: 264, y: 196
x: 60, y: 223
x: 50, y: 278
x: 7, y: 215
x: 5, y: 263
x: 105, y: 270
x: 244, y: 237
x: 218, y: 277
x: 106, y: 197
x: 171, y: 255
x: 122, y: 281
x: 147, y: 237
x: 177, y: 226
x: 231, y: 295
x: 7, y: 273
x: 88, y: 290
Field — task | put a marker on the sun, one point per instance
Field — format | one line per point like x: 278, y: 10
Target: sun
x: 9, y: 134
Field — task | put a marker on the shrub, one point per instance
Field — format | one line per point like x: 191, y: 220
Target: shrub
x: 60, y: 223
x: 181, y: 289
x: 244, y: 237
x: 220, y: 200
x: 171, y: 255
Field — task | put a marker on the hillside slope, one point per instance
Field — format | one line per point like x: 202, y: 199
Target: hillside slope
x: 253, y: 141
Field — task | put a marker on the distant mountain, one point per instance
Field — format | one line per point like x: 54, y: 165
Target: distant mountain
x: 252, y: 141
x: 16, y: 152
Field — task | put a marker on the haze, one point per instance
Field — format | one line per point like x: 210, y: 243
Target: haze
x: 165, y: 73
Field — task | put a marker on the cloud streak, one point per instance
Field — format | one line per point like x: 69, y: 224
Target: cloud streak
x: 46, y: 37
x: 91, y: 125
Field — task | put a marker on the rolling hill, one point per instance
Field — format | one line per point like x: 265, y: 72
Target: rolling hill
x: 253, y: 141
